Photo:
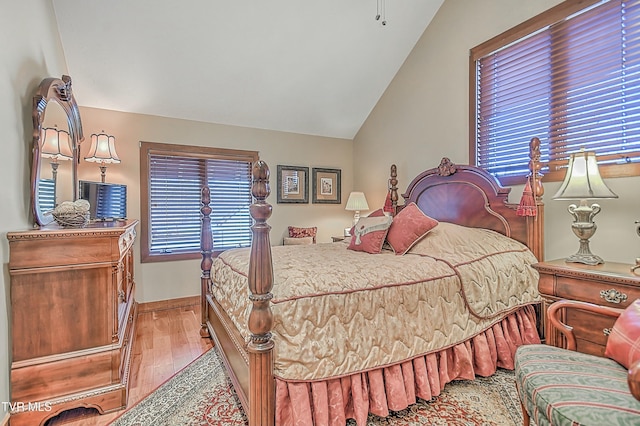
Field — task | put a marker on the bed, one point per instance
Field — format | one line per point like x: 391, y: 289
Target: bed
x: 316, y: 335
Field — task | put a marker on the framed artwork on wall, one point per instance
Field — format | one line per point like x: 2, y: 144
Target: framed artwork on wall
x: 326, y: 186
x: 293, y: 184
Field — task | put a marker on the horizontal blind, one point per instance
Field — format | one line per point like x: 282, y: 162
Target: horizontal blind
x: 230, y: 185
x: 174, y: 199
x: 512, y: 104
x: 574, y: 84
x: 47, y: 195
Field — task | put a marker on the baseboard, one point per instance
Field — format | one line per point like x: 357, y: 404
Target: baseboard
x: 5, y: 419
x: 161, y: 305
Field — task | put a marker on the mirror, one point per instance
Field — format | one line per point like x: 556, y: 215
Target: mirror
x: 57, y: 134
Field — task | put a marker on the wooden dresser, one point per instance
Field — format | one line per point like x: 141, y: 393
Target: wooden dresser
x: 609, y: 284
x: 72, y: 319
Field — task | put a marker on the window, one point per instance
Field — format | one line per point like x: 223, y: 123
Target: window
x: 569, y: 76
x: 171, y: 181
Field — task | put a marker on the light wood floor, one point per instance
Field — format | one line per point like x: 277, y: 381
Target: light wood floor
x: 166, y: 341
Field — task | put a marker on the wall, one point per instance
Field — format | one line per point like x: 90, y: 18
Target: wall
x: 423, y: 116
x: 159, y: 281
x: 30, y: 51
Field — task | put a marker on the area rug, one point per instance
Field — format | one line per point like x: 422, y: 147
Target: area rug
x: 202, y: 394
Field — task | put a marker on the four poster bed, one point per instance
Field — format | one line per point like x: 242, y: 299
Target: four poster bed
x: 318, y: 334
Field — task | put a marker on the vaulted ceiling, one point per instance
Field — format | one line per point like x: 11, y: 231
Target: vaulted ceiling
x: 302, y: 66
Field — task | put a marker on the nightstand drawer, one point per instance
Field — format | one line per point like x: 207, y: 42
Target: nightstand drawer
x: 600, y: 293
x: 609, y: 284
x: 592, y: 327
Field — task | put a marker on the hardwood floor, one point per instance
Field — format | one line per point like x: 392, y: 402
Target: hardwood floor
x: 166, y: 341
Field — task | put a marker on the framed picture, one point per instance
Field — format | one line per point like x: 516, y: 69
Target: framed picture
x: 326, y: 186
x: 293, y: 184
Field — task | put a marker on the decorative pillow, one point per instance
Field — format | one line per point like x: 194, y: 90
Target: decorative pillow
x: 408, y: 227
x: 300, y: 241
x: 369, y: 233
x: 623, y: 344
x: 376, y: 213
x: 295, y: 232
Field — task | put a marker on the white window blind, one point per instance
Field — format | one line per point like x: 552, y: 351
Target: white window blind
x: 574, y: 83
x: 175, y: 181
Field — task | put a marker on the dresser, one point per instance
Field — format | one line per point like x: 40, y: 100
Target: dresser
x: 609, y: 284
x: 72, y: 319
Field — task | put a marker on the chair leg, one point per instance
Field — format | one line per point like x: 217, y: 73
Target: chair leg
x: 525, y: 416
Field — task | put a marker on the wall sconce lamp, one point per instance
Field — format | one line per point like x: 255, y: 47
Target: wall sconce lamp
x: 356, y: 202
x: 103, y: 152
x: 56, y: 145
x: 583, y: 182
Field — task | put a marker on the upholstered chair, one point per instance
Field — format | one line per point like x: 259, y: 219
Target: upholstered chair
x: 563, y: 387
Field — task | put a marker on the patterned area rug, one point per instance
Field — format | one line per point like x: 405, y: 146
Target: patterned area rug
x: 202, y: 394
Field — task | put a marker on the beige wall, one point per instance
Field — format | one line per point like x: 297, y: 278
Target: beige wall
x: 30, y: 51
x: 423, y: 116
x: 159, y: 281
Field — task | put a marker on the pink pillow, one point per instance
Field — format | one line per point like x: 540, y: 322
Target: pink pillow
x: 408, y: 227
x: 295, y: 232
x: 369, y: 233
x: 623, y: 344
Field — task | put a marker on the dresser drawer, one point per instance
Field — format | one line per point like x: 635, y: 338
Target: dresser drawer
x: 600, y: 293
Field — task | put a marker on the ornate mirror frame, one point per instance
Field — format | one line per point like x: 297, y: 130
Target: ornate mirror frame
x: 58, y: 91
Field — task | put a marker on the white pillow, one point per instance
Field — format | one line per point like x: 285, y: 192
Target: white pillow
x: 300, y: 241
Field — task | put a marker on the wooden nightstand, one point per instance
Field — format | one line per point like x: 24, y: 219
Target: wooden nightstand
x: 609, y: 284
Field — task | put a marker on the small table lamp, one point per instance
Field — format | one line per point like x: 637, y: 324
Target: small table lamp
x: 56, y: 145
x: 356, y: 202
x: 583, y: 182
x: 102, y: 151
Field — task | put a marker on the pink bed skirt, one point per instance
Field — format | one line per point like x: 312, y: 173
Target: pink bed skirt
x: 395, y: 387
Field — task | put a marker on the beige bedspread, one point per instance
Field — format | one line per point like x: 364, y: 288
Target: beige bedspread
x: 338, y: 311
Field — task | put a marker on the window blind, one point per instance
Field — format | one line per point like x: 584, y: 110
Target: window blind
x: 574, y: 84
x: 175, y: 181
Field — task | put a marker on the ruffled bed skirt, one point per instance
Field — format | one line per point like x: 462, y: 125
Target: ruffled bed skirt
x: 395, y: 387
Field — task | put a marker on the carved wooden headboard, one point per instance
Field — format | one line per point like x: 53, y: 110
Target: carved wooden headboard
x: 470, y: 196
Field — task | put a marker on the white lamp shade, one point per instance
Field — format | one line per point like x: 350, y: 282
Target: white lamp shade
x: 583, y: 180
x: 103, y: 149
x: 357, y: 202
x: 55, y: 144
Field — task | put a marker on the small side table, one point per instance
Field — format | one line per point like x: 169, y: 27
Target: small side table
x: 608, y: 284
x: 337, y: 239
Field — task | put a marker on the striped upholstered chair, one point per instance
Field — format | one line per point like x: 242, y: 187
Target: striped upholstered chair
x: 563, y: 387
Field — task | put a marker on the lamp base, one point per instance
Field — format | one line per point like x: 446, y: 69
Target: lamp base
x: 587, y: 259
x: 584, y: 228
x: 356, y: 217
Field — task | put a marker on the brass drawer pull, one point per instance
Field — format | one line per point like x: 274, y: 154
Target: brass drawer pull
x: 606, y: 331
x: 613, y: 296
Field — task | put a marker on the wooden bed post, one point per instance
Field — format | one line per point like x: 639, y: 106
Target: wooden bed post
x: 206, y: 248
x: 535, y: 223
x: 260, y: 347
x: 393, y: 187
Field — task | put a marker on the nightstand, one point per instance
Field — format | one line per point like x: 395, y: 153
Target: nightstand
x: 609, y: 284
x: 337, y: 239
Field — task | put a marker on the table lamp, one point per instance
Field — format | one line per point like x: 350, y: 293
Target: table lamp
x: 55, y: 145
x: 103, y: 152
x: 356, y: 202
x: 583, y: 182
